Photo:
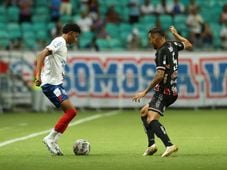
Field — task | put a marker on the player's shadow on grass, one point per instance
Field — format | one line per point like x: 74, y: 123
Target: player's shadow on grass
x: 114, y: 155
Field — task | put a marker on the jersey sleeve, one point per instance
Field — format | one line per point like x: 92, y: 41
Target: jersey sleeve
x: 179, y: 45
x: 161, y: 60
x: 55, y: 45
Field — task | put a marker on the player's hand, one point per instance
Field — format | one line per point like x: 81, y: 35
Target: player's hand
x: 38, y: 82
x: 173, y: 29
x: 138, y: 96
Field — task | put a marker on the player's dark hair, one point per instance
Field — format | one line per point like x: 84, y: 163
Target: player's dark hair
x: 71, y: 27
x: 157, y: 30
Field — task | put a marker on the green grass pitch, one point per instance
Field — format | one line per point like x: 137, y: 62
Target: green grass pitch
x: 117, y: 141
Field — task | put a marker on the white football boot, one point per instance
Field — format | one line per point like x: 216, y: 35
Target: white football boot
x: 169, y: 150
x: 150, y: 150
x: 56, y: 138
x: 51, y: 145
x: 60, y: 153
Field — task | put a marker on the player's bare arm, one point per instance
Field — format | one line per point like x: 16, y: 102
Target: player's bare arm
x: 40, y: 62
x: 185, y: 41
x: 158, y: 78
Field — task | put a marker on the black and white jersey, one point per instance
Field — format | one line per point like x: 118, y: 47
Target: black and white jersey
x: 167, y: 60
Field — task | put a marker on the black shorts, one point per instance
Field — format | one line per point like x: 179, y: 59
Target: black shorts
x: 160, y: 102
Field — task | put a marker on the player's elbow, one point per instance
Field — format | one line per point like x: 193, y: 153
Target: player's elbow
x: 188, y: 45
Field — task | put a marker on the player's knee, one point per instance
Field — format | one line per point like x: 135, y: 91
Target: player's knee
x: 72, y: 112
x: 143, y: 111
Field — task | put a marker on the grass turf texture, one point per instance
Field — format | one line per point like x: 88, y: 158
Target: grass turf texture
x: 117, y: 142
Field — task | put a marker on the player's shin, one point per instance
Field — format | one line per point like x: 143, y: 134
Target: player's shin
x: 65, y: 120
x: 148, y: 131
x: 160, y: 132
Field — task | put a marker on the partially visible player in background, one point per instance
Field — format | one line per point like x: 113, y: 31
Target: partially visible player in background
x: 165, y: 87
x: 49, y: 75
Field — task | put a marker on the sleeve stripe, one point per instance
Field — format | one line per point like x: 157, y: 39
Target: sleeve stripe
x: 160, y: 67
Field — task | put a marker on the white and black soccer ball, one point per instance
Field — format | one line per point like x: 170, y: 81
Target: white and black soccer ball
x: 81, y: 147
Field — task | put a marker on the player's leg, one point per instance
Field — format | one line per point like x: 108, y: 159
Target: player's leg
x: 160, y: 131
x: 61, y: 125
x: 151, y: 149
x: 153, y: 121
x: 143, y: 114
x: 58, y: 96
x: 155, y: 111
x: 69, y: 113
x: 168, y: 100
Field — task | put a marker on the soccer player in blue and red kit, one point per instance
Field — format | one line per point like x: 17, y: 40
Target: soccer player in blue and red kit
x: 50, y: 75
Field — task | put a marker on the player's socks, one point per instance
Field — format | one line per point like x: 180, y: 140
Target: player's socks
x: 64, y: 120
x: 149, y: 131
x: 57, y: 136
x: 52, y: 134
x: 160, y: 132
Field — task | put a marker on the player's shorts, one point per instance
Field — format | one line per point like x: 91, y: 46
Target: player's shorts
x: 55, y: 93
x: 160, y: 102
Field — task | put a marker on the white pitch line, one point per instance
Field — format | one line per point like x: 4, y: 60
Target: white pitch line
x: 77, y: 122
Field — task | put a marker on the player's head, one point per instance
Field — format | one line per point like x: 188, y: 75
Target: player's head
x: 156, y: 37
x: 72, y: 32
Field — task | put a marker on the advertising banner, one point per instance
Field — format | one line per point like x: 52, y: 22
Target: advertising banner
x: 111, y: 79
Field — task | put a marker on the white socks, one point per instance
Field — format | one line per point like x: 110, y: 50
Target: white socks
x: 57, y: 136
x: 52, y: 134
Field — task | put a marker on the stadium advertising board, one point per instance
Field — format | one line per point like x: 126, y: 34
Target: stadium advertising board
x: 111, y: 79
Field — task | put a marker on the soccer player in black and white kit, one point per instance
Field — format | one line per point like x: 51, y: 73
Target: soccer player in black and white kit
x: 165, y: 87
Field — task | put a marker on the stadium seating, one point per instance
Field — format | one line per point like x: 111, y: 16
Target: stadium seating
x: 14, y: 31
x: 165, y: 21
x: 4, y: 39
x: 148, y: 19
x: 29, y: 41
x: 85, y: 39
x: 125, y: 27
x: 26, y: 27
x: 2, y: 10
x: 115, y: 44
x: 66, y: 19
x: 103, y: 44
x: 13, y: 14
x: 40, y: 27
x: 28, y: 36
x: 3, y: 19
x: 40, y: 18
x: 41, y: 10
x: 42, y: 3
x: 112, y: 30
x: 3, y: 26
x: 180, y: 23
x: 216, y: 28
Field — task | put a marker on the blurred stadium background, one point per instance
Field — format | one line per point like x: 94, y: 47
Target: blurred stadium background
x: 113, y: 59
x: 111, y: 62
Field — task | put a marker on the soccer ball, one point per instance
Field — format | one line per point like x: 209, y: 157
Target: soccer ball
x: 81, y: 147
